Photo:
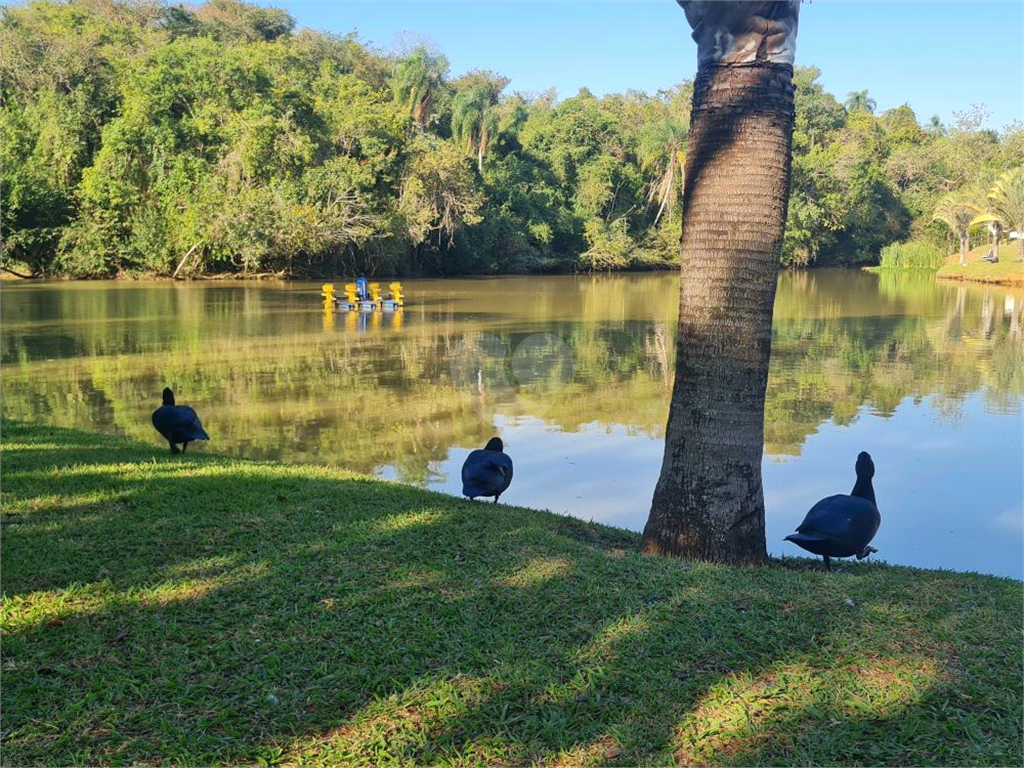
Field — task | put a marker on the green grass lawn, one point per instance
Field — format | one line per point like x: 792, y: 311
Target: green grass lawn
x: 1007, y: 271
x: 198, y: 610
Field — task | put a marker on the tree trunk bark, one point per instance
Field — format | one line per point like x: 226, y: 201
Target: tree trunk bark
x: 182, y: 262
x: 963, y: 249
x: 709, y: 503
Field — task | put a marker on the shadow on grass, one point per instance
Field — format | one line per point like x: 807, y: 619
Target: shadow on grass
x: 191, y: 610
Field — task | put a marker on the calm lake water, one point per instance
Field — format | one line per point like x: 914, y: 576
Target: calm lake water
x: 574, y: 373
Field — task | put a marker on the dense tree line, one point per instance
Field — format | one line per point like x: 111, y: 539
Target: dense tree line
x: 149, y: 138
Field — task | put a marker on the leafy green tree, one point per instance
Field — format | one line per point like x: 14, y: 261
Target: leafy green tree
x: 818, y: 114
x: 32, y: 221
x: 901, y: 127
x: 859, y: 101
x: 237, y: 21
x: 970, y: 156
x: 814, y: 214
x: 438, y: 194
x: 35, y: 174
x: 813, y: 218
x: 416, y: 82
x: 525, y: 218
x: 610, y: 244
x: 873, y: 216
x: 568, y: 135
x: 861, y: 201
x: 475, y: 118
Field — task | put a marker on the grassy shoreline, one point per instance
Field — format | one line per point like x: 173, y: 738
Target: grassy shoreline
x: 201, y: 610
x: 1009, y: 271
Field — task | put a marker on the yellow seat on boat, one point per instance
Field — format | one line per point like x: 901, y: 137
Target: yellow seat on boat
x: 396, y: 293
x: 327, y: 291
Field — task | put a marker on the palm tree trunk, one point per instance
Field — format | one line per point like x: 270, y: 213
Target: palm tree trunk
x: 709, y: 503
x: 963, y: 249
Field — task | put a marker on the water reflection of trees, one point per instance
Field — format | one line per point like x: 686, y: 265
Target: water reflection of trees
x: 274, y: 382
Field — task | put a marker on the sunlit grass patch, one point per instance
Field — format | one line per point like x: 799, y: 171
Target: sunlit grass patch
x: 741, y: 714
x: 21, y: 448
x: 408, y: 520
x: 602, y: 751
x: 407, y: 728
x: 53, y: 607
x: 607, y: 644
x: 26, y: 507
x: 78, y: 601
x: 537, y: 570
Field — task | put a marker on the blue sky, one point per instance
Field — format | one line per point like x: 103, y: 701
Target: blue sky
x: 940, y: 57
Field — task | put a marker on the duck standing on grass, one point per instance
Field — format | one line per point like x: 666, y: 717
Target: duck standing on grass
x: 841, y: 526
x: 177, y: 423
x: 487, y: 472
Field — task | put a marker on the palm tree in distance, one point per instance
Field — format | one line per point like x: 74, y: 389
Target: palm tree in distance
x: 416, y: 83
x: 661, y: 153
x: 957, y: 211
x: 474, y: 111
x: 1004, y: 208
x: 859, y: 101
